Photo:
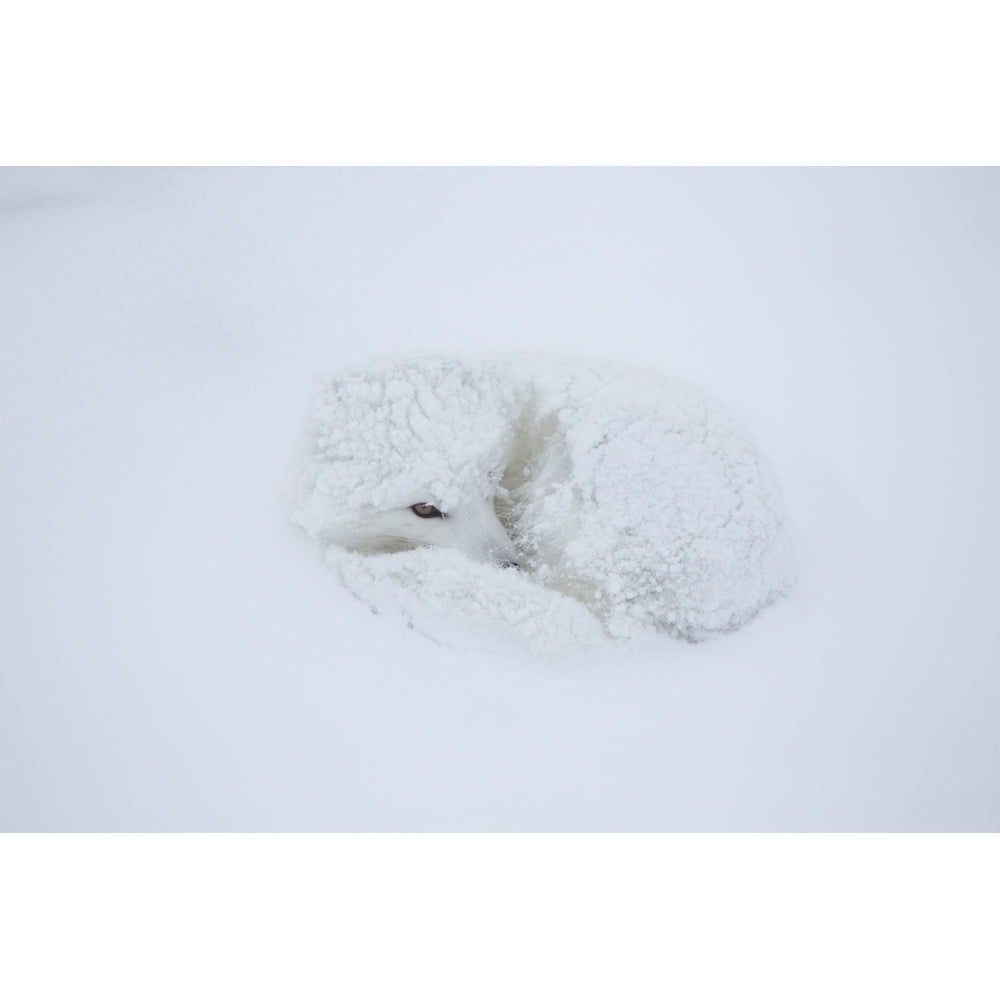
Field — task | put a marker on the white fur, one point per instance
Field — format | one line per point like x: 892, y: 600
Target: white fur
x: 635, y: 494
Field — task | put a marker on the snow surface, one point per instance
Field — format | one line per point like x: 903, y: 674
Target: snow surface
x: 177, y: 655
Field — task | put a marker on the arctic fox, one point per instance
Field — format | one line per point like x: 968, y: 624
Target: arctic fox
x: 635, y: 494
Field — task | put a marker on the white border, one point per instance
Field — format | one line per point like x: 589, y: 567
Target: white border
x: 499, y: 916
x: 543, y: 82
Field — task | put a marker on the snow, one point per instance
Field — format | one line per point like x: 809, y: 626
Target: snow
x: 177, y: 654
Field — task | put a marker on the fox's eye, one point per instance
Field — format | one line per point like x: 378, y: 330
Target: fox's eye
x: 426, y: 510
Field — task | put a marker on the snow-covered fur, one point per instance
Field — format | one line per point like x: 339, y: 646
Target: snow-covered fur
x: 636, y: 495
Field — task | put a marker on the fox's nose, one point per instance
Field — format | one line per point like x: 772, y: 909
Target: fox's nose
x: 506, y: 564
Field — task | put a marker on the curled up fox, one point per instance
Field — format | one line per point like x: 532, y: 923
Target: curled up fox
x: 635, y: 494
